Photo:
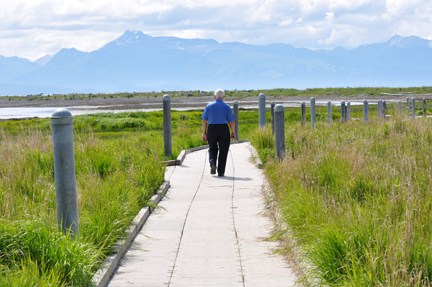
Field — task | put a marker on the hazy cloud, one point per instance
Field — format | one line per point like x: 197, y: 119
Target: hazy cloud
x: 329, y: 16
x: 33, y: 28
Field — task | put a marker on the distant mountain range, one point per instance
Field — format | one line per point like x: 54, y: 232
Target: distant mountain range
x: 139, y: 62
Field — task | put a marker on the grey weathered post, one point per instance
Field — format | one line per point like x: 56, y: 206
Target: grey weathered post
x: 384, y: 110
x: 348, y: 111
x: 313, y: 114
x: 262, y: 110
x: 408, y: 107
x: 424, y: 107
x: 366, y: 111
x: 303, y: 111
x: 413, y: 107
x: 167, y: 124
x: 329, y: 118
x: 279, y: 132
x: 380, y: 109
x: 64, y: 172
x: 272, y: 105
x: 236, y: 119
x: 400, y: 108
x: 343, y: 112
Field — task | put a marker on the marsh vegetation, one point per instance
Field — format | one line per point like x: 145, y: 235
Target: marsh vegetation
x: 354, y: 198
x: 118, y: 168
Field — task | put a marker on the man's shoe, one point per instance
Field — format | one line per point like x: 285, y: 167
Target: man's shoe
x: 213, y: 169
x: 221, y: 174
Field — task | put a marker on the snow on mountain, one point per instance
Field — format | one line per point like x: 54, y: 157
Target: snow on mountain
x: 408, y: 42
x: 43, y: 60
x: 130, y: 37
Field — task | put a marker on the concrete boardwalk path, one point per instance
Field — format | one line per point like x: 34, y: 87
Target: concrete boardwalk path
x: 209, y: 230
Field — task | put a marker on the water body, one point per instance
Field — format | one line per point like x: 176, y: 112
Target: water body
x: 46, y: 112
x: 16, y: 113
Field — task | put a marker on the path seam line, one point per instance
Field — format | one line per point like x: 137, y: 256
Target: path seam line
x: 233, y: 218
x: 184, y: 224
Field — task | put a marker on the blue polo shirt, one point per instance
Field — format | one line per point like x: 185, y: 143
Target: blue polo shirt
x: 217, y: 112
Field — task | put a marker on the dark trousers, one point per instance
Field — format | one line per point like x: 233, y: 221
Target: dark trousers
x: 218, y: 137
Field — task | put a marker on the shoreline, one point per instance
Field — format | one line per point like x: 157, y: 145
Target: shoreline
x: 137, y: 101
x: 124, y: 104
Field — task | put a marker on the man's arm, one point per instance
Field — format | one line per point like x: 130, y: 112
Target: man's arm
x: 204, y: 127
x: 232, y: 126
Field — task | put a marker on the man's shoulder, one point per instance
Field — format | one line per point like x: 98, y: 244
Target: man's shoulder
x: 226, y: 105
x: 218, y: 104
x: 222, y: 103
x: 212, y: 103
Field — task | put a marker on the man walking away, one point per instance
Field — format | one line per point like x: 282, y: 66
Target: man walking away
x: 218, y: 115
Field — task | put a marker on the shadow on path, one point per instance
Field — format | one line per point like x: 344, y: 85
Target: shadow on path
x: 234, y: 178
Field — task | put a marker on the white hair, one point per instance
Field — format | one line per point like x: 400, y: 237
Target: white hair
x: 219, y: 94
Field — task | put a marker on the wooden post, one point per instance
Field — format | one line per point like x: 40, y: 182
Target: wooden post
x: 366, y: 111
x: 313, y: 114
x: 262, y: 110
x: 236, y: 119
x: 343, y: 110
x: 303, y: 111
x: 166, y: 100
x: 64, y: 172
x: 279, y: 132
x: 272, y: 106
x: 413, y: 108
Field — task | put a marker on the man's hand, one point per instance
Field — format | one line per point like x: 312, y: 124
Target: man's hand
x: 232, y: 126
x: 204, y: 129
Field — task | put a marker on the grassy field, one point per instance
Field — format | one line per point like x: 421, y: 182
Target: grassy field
x: 357, y: 200
x: 118, y: 165
x: 354, y: 198
x: 116, y: 175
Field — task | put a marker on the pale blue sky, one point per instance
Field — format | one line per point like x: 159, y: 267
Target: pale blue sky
x: 34, y: 28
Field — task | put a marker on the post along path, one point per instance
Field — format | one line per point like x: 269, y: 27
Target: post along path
x: 208, y: 231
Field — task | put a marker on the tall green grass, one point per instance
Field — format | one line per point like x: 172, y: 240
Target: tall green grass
x: 357, y: 199
x: 118, y: 168
x: 115, y: 178
x: 44, y: 256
